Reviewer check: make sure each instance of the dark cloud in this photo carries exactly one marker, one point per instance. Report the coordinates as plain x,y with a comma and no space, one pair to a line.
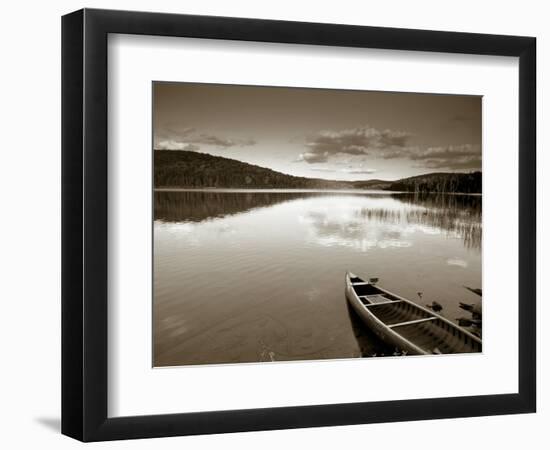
396,153
446,152
469,162
312,157
361,171
388,144
453,157
353,141
209,139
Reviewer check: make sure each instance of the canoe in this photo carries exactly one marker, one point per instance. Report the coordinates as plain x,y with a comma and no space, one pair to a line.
401,323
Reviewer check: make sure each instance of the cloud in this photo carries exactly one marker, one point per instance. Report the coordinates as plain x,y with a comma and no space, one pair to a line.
330,145
312,157
352,141
465,163
175,145
446,152
320,169
453,157
449,157
188,139
361,171
347,171
209,139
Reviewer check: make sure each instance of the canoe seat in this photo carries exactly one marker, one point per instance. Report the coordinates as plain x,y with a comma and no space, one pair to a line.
371,306
376,298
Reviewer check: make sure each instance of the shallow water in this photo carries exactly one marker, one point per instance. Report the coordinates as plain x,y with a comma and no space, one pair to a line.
259,276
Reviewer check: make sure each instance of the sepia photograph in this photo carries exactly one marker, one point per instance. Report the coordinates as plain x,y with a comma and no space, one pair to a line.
299,224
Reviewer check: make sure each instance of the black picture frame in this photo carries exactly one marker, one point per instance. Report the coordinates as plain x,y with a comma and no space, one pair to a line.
84,224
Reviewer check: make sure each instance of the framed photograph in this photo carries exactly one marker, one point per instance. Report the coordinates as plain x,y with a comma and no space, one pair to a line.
273,224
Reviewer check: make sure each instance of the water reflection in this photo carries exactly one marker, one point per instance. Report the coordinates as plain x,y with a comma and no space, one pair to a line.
196,206
259,276
458,215
364,227
368,345
342,219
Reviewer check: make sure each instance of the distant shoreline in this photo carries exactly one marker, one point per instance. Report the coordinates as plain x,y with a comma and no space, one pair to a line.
174,169
290,190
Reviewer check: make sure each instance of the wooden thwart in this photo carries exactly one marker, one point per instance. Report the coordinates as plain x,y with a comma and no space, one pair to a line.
411,322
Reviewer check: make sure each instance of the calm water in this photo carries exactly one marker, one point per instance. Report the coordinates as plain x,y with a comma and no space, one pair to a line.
259,276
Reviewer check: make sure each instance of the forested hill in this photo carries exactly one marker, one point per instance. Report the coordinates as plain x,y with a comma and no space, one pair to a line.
467,183
183,169
200,170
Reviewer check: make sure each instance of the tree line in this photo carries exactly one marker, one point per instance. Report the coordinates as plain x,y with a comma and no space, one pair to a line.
186,169
466,183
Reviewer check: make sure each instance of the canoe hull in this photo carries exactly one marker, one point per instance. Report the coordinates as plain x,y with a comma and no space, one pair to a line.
379,329
424,341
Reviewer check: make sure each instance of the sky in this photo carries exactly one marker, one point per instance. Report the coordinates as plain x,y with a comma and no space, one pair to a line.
321,133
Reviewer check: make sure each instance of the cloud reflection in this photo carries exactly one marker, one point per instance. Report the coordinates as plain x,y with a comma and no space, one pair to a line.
359,221
457,262
334,229
364,223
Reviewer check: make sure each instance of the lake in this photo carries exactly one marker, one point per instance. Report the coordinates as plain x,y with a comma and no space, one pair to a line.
250,276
